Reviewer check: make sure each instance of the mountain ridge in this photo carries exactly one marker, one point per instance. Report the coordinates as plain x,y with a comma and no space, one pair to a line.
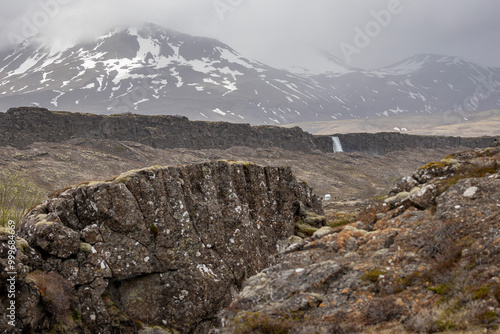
153,70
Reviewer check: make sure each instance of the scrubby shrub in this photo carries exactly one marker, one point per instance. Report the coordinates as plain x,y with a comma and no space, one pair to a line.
422,322
408,280
441,289
496,292
469,171
17,196
446,325
484,315
253,322
380,310
369,214
481,293
443,247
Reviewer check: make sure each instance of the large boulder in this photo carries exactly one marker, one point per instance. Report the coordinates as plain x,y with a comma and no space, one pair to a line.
162,246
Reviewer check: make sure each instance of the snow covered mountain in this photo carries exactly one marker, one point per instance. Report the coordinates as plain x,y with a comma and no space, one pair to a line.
420,84
152,70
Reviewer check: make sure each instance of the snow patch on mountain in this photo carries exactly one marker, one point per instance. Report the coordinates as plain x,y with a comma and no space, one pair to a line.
218,111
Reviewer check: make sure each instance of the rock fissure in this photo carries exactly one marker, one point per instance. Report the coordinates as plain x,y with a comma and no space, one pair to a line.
75,211
137,201
212,249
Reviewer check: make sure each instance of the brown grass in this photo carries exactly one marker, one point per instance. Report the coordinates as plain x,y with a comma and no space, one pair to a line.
17,195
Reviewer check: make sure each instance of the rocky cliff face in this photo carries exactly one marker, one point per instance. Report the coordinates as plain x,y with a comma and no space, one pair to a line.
385,142
424,261
20,127
161,246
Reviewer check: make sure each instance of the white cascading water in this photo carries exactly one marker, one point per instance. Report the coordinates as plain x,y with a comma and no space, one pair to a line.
337,146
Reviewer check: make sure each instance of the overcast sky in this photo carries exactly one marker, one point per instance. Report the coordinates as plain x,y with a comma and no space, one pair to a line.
362,33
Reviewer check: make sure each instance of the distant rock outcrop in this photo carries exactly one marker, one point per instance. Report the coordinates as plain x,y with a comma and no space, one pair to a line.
385,142
162,246
20,127
425,261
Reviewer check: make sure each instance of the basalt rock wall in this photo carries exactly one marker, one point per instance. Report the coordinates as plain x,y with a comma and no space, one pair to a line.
161,246
20,127
385,142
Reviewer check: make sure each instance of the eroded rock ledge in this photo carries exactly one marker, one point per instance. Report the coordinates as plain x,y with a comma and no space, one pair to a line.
163,246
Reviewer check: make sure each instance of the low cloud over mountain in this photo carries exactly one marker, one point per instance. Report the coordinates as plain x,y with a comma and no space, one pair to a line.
154,70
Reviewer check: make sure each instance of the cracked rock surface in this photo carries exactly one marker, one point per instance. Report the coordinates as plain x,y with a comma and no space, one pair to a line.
163,246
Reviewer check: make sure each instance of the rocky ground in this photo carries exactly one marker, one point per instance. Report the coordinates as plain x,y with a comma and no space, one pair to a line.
350,178
424,260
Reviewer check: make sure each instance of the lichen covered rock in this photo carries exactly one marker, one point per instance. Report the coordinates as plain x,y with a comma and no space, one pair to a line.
161,246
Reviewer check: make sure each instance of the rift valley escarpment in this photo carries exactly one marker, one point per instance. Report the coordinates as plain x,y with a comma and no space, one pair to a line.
20,127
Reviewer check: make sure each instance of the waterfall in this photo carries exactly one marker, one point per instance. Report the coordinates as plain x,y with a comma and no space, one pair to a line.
337,146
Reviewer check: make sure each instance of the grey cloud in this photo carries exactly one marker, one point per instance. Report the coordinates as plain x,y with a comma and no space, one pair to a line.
279,32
